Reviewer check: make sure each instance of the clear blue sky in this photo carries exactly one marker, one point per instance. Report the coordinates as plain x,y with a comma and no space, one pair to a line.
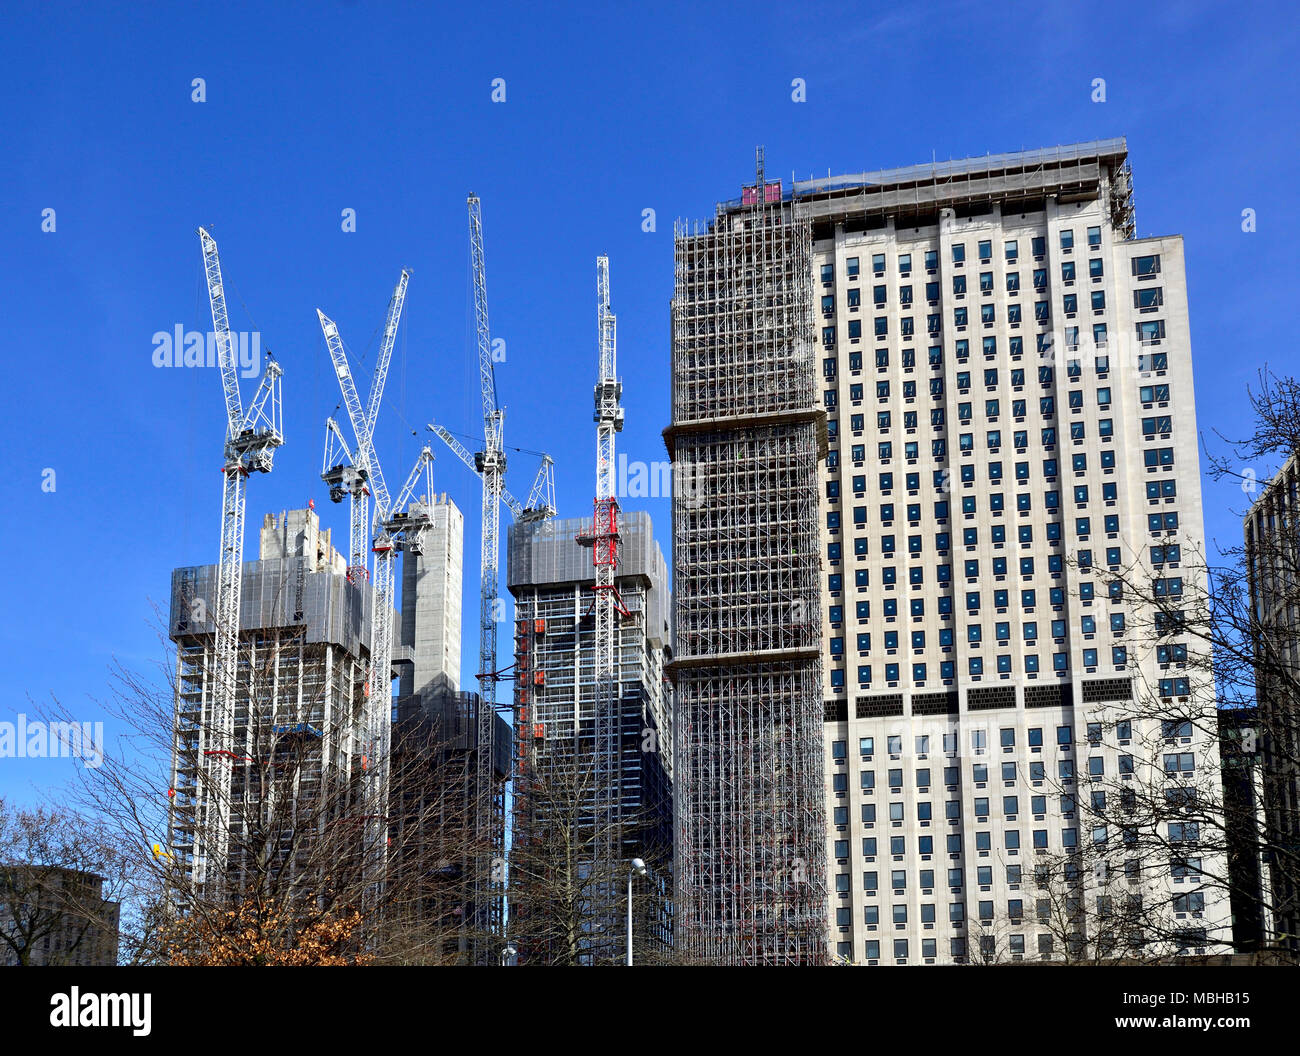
385,108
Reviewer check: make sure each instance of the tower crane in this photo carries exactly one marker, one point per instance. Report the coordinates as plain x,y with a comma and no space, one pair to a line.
349,477
605,543
390,530
251,439
490,465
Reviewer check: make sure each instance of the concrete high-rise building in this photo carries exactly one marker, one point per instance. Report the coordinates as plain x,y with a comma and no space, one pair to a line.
551,577
1273,564
427,654
304,648
435,744
1010,431
1008,381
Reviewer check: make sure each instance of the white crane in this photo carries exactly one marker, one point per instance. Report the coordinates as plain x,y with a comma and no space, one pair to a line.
350,477
251,440
390,530
490,465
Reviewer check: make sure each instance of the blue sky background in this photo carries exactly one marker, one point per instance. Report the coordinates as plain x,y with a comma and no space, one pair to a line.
385,108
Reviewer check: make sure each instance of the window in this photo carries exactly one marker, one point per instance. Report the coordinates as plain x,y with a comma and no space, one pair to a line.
1148,298
1146,267
1150,331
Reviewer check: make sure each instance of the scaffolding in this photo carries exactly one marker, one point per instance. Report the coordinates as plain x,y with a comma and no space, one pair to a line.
745,440
297,721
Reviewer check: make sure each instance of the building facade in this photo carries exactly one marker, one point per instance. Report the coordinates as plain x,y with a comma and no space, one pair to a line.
427,652
1006,372
51,915
1273,562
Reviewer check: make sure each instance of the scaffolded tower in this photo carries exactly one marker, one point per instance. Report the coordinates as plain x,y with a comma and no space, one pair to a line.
745,440
298,718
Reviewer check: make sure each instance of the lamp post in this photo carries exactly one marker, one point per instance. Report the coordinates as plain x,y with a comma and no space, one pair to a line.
508,955
635,868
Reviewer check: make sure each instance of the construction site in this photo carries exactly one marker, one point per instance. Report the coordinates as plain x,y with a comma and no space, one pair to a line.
296,766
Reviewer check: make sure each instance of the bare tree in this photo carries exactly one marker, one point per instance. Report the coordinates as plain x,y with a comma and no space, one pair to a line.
568,896
305,864
61,880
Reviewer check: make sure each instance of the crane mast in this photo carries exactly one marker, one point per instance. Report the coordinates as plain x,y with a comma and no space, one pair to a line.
389,531
490,463
607,604
251,440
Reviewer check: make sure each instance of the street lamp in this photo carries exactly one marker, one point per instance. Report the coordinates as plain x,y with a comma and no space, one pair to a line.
635,868
508,955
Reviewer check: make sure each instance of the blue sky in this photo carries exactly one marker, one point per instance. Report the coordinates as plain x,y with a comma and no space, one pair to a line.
386,109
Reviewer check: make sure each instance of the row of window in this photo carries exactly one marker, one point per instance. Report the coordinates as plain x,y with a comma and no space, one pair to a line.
1177,797
1178,832
940,478
1001,601
989,947
992,405
1184,903
1155,361
1147,331
1173,764
1145,266
1145,298
1181,868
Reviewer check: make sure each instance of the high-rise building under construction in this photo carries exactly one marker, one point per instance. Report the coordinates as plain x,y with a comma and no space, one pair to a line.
577,830
746,437
298,743
300,755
